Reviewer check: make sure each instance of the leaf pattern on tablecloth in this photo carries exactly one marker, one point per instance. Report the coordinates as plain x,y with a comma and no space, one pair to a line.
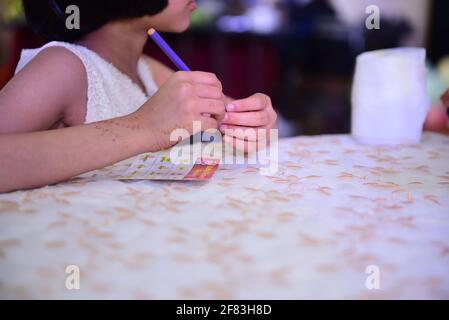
310,231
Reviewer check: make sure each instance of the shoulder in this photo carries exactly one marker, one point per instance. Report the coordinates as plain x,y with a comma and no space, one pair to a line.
44,91
59,60
160,71
55,68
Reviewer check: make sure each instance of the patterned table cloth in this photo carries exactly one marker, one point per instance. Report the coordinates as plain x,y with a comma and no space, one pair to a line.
335,215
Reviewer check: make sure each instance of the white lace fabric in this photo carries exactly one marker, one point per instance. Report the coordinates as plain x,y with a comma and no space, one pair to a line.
111,93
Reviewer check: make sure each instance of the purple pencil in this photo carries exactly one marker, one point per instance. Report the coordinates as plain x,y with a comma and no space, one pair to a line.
167,50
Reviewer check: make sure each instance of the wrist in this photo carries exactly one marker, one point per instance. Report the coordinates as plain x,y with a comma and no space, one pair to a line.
143,135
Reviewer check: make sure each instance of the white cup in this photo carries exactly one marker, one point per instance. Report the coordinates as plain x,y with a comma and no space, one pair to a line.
389,96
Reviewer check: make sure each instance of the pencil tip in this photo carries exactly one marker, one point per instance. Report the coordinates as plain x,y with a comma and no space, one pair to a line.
151,31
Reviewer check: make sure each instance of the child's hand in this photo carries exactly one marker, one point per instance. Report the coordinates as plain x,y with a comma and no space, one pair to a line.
184,98
256,113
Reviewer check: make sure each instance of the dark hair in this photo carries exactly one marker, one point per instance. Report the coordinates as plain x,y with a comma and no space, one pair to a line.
48,17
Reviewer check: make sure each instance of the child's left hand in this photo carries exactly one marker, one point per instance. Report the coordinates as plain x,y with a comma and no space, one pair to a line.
245,118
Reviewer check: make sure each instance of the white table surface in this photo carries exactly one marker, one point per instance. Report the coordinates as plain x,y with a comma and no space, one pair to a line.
333,209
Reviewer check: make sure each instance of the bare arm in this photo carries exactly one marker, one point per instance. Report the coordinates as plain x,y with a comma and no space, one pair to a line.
34,159
44,93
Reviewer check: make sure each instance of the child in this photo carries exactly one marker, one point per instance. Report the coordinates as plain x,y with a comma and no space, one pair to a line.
108,101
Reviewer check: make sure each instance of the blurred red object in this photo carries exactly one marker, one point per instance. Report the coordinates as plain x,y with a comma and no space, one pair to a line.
20,38
437,120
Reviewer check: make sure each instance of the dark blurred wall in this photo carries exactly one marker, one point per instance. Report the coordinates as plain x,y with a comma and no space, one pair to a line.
439,34
306,67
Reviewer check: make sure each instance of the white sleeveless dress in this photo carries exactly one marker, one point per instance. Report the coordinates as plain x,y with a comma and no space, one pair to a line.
110,92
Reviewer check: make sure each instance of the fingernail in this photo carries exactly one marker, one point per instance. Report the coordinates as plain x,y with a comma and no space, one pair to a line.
230,107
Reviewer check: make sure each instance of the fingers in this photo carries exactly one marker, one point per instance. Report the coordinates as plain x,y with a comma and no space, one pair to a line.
199,77
208,123
256,102
214,107
208,89
248,119
209,92
255,111
245,133
242,145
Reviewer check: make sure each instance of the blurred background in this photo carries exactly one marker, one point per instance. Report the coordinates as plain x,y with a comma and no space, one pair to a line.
300,52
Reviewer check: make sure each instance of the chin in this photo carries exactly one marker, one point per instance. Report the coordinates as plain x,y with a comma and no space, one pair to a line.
174,29
183,29
180,26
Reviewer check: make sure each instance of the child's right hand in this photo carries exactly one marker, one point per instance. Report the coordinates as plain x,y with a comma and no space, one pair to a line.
184,98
